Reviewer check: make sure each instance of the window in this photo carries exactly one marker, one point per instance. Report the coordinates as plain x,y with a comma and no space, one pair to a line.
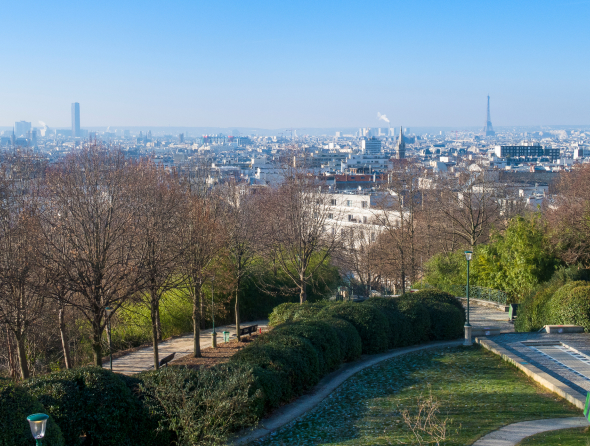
333,202
364,204
364,219
330,216
348,202
373,237
350,217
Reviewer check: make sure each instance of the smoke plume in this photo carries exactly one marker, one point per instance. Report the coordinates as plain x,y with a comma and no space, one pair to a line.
382,117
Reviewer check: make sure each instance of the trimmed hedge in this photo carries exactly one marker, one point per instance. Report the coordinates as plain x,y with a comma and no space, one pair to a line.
370,323
399,325
323,338
290,311
96,403
16,404
446,321
418,316
446,313
570,305
351,346
293,361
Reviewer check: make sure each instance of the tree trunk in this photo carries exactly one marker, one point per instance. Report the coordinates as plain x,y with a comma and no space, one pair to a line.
237,309
196,326
11,363
302,290
96,345
154,315
158,322
22,355
64,337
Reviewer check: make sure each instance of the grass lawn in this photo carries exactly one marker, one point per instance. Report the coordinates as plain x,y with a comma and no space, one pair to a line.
564,437
477,391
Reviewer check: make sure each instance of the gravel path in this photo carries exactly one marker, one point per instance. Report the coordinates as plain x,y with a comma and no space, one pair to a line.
143,359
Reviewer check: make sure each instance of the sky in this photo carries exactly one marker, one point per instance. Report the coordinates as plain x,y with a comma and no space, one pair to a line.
272,64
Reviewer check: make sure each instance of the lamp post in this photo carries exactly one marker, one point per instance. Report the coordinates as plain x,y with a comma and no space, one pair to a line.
468,342
213,335
109,313
38,424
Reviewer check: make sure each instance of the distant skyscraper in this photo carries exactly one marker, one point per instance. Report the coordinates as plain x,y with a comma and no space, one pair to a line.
371,146
75,120
22,128
400,150
488,130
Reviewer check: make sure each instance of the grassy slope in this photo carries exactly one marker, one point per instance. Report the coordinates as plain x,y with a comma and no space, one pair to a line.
565,437
478,393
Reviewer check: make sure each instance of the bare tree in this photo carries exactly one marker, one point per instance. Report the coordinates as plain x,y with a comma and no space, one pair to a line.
200,244
240,218
568,216
297,234
90,205
21,300
160,206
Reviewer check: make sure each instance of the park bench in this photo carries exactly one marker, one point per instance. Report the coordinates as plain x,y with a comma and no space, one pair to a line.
248,330
167,359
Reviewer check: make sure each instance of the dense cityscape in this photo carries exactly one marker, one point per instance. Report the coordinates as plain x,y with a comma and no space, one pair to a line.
295,223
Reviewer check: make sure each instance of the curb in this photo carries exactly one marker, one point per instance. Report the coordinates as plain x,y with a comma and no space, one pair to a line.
546,380
325,387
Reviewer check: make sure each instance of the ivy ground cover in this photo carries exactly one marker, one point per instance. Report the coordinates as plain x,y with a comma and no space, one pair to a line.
563,437
477,392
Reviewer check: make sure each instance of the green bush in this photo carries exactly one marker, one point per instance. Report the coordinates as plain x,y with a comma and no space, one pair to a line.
418,316
205,406
370,323
323,338
435,295
350,341
16,404
390,310
282,313
576,308
446,313
535,310
96,403
290,311
293,360
447,322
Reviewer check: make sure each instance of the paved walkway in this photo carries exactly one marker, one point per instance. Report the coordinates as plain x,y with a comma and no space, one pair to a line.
559,362
480,315
143,359
514,433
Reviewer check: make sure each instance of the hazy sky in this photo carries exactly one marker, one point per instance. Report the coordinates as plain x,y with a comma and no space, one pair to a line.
281,63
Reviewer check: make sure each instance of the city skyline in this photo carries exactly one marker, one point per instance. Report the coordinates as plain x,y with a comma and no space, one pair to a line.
318,64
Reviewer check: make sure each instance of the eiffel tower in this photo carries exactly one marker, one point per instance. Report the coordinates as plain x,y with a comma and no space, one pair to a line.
488,130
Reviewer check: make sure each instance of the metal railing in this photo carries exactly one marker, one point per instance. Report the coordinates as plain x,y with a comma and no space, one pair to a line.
481,293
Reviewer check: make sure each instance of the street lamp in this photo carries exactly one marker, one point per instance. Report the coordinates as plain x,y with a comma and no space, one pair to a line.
109,313
213,335
38,423
468,342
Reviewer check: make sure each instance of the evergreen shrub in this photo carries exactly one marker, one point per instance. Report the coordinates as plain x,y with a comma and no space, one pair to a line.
350,341
16,404
322,336
293,359
418,316
369,321
203,406
97,404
